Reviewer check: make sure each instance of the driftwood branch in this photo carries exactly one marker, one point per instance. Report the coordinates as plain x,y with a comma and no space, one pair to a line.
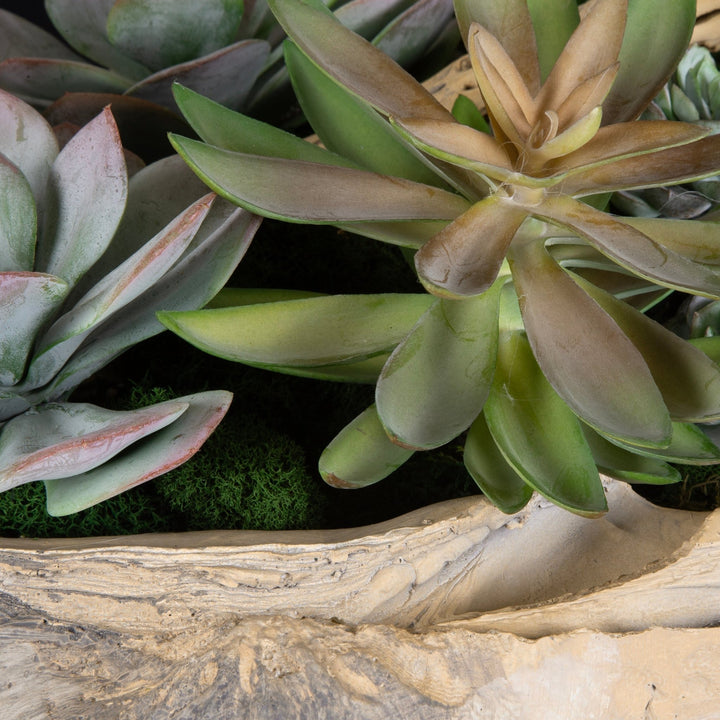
440,614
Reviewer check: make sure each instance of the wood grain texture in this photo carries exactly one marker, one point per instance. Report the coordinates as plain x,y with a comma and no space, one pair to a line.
454,611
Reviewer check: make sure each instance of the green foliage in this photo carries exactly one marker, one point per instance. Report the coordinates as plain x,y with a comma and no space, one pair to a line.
506,220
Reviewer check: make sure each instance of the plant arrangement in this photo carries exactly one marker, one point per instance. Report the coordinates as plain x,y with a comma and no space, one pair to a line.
226,49
86,258
531,342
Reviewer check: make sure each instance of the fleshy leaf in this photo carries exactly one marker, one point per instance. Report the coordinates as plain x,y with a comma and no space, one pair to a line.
305,332
584,354
86,200
165,449
354,62
21,38
313,192
631,467
128,281
511,23
437,379
189,284
350,127
689,446
27,301
18,219
42,80
688,380
369,17
27,141
58,440
161,33
361,454
656,37
629,247
464,258
83,24
553,22
538,434
491,471
224,128
209,75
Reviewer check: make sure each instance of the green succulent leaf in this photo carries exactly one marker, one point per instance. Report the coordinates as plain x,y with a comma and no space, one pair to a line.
59,440
27,140
585,354
656,36
169,445
86,200
350,127
466,112
18,219
21,38
553,22
538,434
354,63
411,33
631,467
161,33
302,332
491,471
209,75
629,247
689,446
314,192
410,234
27,301
688,380
369,17
43,80
361,454
83,24
437,379
219,126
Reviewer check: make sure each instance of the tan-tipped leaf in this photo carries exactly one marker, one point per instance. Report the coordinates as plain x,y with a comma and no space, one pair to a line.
601,30
435,382
354,62
464,258
314,192
538,434
688,380
630,248
508,100
303,332
510,22
361,454
672,166
491,471
584,354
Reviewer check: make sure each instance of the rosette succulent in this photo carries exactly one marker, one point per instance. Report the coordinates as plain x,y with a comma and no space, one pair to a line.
225,49
86,258
530,343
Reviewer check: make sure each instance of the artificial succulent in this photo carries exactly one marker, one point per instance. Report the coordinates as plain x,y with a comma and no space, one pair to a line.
86,258
531,343
225,49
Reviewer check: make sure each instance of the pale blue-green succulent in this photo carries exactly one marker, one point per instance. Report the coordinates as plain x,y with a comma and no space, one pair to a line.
86,259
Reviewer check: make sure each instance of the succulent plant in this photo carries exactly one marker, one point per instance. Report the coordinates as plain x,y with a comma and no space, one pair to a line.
221,48
86,258
531,339
691,95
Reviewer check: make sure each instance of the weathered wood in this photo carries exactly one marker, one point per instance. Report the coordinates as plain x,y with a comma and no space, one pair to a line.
455,611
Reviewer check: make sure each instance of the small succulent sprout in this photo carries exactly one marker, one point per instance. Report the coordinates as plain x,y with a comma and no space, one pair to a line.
86,259
225,49
535,342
